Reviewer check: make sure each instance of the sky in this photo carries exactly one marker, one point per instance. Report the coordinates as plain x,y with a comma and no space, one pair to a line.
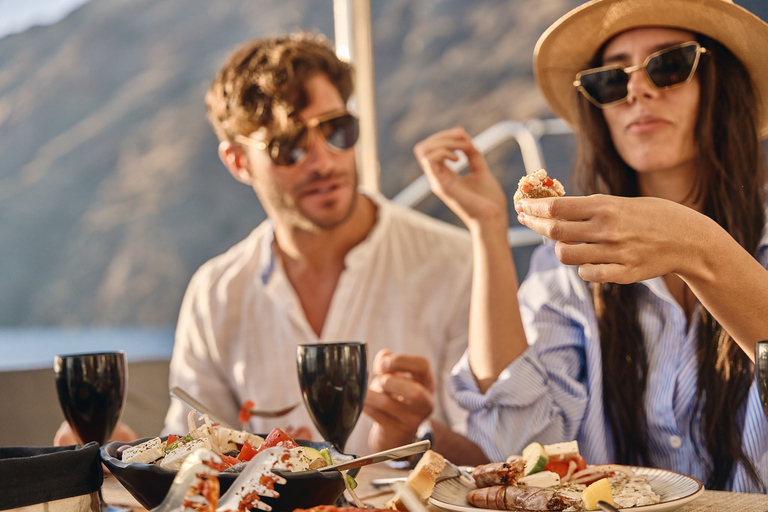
18,15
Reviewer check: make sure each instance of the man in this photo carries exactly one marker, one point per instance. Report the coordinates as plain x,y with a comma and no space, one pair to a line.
330,263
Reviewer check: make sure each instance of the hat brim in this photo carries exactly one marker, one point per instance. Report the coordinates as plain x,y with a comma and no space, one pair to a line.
569,45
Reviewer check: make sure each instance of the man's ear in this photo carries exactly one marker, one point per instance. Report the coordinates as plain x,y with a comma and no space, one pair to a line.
235,160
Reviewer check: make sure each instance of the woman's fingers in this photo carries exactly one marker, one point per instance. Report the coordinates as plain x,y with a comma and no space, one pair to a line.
564,208
606,273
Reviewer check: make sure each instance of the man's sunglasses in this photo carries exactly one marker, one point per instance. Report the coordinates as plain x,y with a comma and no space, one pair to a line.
339,129
607,85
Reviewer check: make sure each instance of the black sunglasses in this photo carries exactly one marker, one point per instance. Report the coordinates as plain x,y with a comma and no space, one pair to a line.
606,86
339,129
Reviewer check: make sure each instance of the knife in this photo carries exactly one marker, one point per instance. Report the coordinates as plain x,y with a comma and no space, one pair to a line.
394,453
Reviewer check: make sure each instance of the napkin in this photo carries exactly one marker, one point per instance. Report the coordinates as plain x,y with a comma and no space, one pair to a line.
32,475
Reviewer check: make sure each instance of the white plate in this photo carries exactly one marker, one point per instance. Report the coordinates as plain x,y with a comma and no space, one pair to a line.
675,490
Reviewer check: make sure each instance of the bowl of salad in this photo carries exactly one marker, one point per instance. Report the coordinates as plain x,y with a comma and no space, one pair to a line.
147,467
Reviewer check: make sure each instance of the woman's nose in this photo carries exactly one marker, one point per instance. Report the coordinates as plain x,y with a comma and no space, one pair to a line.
640,85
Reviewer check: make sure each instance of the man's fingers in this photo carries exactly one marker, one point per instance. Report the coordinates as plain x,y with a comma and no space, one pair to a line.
405,390
388,410
416,367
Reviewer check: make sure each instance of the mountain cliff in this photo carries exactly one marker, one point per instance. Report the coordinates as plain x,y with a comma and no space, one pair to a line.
111,192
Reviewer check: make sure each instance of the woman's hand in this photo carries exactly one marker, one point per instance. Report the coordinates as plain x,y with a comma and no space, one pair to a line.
476,197
626,240
617,239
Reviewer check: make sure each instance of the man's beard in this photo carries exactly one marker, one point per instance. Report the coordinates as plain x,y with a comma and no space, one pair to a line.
301,220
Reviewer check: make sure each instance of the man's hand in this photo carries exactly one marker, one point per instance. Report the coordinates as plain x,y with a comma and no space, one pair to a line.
65,436
300,432
398,399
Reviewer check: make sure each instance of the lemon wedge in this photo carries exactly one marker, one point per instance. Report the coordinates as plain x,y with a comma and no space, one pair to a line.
597,491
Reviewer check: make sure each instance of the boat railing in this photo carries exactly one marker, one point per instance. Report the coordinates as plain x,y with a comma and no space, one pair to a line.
528,136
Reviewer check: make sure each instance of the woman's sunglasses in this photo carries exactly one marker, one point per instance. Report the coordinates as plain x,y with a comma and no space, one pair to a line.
607,85
339,129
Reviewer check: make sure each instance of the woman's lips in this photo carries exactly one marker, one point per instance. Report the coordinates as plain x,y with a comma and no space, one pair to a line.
646,124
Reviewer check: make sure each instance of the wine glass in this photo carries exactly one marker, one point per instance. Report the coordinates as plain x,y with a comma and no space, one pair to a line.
91,390
333,379
761,372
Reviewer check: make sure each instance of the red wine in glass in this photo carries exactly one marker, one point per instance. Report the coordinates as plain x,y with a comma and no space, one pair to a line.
333,379
91,390
761,372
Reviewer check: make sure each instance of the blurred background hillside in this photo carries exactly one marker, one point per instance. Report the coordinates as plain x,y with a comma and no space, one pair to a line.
111,192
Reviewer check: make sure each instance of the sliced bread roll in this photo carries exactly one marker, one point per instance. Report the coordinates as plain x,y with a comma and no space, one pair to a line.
421,479
538,184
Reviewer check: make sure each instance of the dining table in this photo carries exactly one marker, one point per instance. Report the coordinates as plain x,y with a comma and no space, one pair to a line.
376,496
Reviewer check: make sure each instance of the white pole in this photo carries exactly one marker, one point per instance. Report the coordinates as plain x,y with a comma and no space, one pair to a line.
354,41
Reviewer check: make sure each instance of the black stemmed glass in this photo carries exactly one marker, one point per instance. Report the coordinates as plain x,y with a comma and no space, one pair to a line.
761,372
333,379
91,391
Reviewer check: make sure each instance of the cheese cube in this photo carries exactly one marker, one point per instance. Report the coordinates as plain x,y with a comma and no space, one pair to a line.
175,458
144,453
562,451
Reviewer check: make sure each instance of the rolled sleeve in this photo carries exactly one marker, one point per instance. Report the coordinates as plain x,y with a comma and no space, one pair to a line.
543,395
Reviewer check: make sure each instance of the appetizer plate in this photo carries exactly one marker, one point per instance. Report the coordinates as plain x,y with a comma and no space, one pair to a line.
149,483
674,488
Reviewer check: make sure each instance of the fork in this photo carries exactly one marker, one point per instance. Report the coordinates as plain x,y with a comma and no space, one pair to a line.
452,470
186,478
607,507
193,403
274,413
257,477
249,482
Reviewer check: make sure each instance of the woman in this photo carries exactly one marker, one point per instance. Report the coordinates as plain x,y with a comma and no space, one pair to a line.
634,331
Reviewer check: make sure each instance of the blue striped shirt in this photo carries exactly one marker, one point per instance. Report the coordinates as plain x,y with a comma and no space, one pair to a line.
553,391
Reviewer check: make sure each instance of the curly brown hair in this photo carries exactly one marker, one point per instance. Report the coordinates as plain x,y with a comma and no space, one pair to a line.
262,83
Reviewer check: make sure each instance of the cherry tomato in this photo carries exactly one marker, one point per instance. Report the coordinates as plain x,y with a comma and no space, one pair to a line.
246,452
526,189
226,462
547,182
276,437
229,460
210,489
560,467
171,439
245,411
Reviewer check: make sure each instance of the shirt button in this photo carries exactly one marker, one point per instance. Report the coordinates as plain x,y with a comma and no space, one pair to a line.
675,442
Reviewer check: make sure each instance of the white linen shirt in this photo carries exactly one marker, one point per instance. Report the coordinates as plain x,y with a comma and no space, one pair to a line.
553,391
405,287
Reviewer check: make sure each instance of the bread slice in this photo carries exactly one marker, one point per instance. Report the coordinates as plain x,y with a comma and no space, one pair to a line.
421,479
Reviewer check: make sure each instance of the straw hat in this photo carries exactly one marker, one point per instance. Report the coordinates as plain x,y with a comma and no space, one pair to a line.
569,45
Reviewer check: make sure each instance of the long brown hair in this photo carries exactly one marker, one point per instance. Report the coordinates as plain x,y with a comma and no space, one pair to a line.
731,187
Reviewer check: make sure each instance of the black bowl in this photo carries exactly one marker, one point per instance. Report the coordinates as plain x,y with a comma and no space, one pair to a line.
149,483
